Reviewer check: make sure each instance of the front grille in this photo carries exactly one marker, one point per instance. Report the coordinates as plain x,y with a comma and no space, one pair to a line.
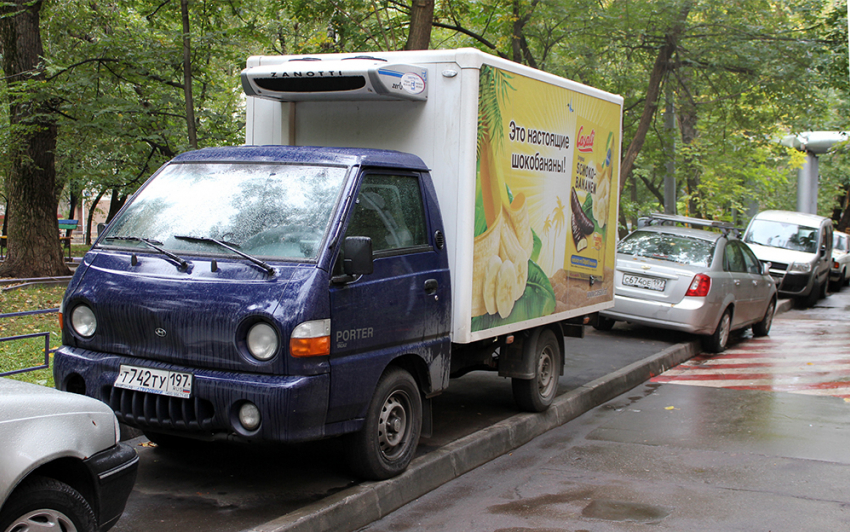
794,283
778,266
160,411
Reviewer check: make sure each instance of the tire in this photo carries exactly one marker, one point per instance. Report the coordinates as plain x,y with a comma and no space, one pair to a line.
535,395
386,444
716,343
604,324
41,503
812,299
762,328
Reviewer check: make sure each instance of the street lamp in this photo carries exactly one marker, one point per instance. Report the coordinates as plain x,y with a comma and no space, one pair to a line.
813,143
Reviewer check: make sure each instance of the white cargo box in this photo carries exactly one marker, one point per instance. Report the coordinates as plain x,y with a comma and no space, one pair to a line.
533,191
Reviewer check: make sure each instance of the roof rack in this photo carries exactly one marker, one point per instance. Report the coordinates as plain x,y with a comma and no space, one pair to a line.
658,218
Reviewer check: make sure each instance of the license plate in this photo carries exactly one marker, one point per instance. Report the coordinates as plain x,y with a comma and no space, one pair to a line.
158,381
649,283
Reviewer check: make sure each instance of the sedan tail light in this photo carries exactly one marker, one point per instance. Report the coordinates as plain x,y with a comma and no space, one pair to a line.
699,286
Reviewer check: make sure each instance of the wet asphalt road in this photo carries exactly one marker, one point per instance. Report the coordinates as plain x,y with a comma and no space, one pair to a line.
228,487
755,439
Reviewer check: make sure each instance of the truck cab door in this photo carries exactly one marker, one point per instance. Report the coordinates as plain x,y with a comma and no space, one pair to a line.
401,308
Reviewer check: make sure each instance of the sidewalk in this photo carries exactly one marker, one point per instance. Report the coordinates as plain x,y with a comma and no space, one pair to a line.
358,506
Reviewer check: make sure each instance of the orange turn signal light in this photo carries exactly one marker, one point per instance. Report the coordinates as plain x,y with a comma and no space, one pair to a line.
310,347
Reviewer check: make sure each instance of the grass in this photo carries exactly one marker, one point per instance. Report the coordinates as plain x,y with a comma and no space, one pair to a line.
29,352
19,354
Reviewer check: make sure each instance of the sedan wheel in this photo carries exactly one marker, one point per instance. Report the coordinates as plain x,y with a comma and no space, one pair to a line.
716,343
763,327
46,504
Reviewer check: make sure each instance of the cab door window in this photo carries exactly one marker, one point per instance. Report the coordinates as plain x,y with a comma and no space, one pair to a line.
389,210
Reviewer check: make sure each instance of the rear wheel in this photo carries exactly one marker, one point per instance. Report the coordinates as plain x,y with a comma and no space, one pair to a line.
42,503
763,327
604,324
385,445
716,343
536,394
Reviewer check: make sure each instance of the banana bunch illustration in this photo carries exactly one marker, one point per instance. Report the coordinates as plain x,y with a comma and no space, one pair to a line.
600,197
500,258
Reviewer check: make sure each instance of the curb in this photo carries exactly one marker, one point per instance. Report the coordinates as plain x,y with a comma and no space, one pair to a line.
368,502
365,503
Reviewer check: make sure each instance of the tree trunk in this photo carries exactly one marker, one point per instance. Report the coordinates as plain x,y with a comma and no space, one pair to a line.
115,203
90,218
659,70
187,76
33,243
688,127
421,18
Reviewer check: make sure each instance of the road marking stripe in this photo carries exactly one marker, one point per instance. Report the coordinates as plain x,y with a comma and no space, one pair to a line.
806,357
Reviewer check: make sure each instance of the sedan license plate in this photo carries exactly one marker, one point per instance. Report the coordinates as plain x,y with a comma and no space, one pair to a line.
157,381
649,283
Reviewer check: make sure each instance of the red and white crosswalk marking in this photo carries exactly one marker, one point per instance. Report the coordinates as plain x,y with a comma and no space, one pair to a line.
800,356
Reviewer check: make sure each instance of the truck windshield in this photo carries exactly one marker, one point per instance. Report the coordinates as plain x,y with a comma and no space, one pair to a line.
266,210
783,235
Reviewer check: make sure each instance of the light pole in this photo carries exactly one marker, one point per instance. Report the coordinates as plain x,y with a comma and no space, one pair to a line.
813,143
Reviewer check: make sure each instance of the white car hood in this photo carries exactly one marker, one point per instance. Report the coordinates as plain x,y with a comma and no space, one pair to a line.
22,400
39,424
787,256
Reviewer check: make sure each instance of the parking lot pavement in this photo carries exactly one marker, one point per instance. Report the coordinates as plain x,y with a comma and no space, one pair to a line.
750,439
228,487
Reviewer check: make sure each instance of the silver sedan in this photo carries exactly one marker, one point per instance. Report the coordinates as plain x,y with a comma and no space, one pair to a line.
698,281
62,466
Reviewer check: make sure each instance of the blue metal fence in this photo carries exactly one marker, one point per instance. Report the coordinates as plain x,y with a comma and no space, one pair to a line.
46,336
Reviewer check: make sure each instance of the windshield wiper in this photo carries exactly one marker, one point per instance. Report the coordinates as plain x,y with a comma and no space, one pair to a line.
255,260
153,244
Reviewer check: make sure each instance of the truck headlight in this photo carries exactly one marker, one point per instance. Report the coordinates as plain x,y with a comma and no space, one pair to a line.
83,321
262,341
800,267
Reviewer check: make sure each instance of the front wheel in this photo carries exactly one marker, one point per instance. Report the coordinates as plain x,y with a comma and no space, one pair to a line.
385,445
716,343
536,394
42,503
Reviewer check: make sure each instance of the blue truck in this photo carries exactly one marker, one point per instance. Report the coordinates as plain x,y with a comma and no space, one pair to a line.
393,221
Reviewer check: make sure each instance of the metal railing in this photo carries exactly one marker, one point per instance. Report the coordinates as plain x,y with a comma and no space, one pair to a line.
46,336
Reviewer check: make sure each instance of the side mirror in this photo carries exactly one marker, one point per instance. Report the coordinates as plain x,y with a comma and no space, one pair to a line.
101,227
357,252
765,268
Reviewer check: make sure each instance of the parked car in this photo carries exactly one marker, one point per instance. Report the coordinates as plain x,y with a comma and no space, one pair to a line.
798,247
700,281
838,275
62,466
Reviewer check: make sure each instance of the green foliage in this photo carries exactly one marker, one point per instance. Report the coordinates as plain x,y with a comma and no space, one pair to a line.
745,72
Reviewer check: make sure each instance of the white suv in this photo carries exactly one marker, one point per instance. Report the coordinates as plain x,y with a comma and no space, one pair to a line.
798,247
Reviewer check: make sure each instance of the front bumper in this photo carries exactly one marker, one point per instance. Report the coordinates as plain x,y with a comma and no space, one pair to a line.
115,470
292,408
795,284
692,315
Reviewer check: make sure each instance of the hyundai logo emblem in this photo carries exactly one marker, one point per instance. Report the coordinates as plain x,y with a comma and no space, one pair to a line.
160,332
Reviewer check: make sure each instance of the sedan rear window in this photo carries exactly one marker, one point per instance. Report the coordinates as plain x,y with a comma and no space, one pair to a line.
672,248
